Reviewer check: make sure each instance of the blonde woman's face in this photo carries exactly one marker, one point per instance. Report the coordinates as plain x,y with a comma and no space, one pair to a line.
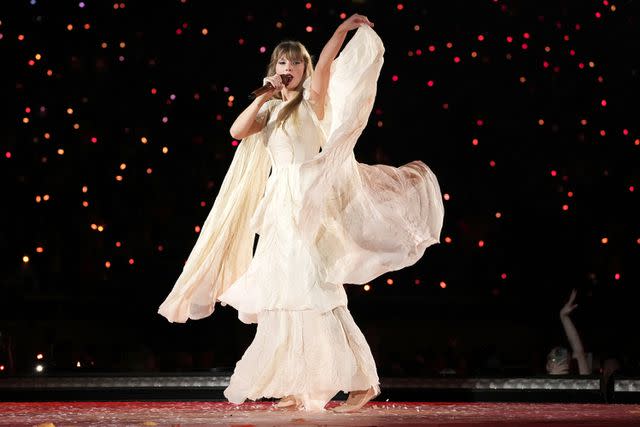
294,67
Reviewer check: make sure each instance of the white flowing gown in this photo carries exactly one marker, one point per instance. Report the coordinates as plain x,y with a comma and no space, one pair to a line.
324,220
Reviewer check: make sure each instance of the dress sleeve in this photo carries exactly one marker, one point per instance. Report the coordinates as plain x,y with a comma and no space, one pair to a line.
224,247
325,124
264,112
364,220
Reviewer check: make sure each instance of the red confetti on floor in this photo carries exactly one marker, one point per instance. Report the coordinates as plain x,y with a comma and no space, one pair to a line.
52,414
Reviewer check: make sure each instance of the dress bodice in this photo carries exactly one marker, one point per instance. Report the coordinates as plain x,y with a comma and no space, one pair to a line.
297,141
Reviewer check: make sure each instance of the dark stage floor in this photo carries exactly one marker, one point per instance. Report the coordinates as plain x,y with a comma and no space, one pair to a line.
264,413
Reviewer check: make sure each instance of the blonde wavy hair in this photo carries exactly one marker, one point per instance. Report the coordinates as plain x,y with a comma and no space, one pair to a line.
294,51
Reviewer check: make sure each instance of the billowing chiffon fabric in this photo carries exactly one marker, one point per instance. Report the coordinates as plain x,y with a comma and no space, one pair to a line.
324,220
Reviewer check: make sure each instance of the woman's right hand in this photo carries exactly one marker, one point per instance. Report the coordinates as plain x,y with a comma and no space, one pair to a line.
276,82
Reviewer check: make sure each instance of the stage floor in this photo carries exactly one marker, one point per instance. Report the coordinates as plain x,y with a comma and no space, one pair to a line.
264,413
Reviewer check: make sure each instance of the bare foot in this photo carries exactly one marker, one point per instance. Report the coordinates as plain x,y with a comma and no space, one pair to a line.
356,400
287,402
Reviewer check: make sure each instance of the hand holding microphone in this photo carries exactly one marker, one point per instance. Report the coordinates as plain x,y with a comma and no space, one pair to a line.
277,82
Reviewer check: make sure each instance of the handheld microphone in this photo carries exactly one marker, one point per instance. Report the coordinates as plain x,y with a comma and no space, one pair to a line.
286,79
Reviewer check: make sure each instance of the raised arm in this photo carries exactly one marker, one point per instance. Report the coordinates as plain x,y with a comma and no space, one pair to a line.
320,80
573,336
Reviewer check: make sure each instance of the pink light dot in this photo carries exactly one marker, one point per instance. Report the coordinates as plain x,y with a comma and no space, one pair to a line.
570,194
203,204
632,188
309,28
572,52
432,48
394,78
525,46
27,110
154,91
625,132
197,228
481,244
430,83
480,38
131,261
617,276
598,15
7,154
418,52
165,119
443,285
94,140
503,276
603,102
545,64
581,66
308,5
263,49
240,42
565,207
509,39
480,122
554,173
179,31
234,143
475,141
526,35
400,6
343,15
492,163
456,59
603,133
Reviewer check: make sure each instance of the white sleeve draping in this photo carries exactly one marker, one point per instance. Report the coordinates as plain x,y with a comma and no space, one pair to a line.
364,220
224,247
